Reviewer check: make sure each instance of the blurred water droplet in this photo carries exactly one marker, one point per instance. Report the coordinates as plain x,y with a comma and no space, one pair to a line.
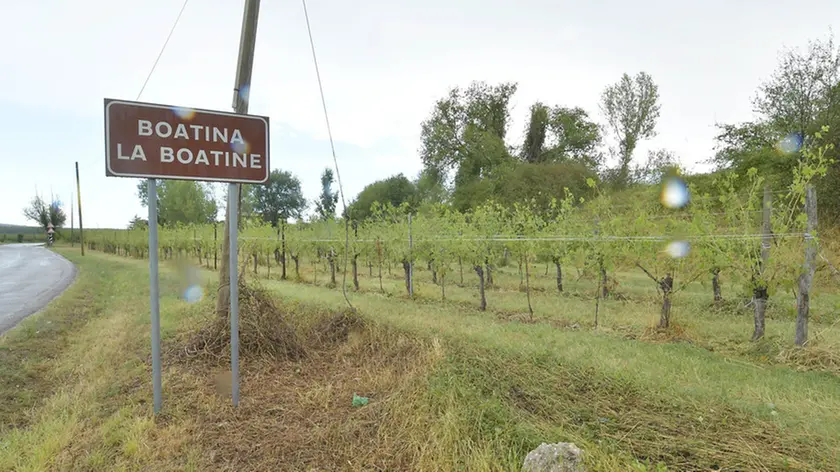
193,294
678,249
790,144
184,113
674,193
240,147
244,92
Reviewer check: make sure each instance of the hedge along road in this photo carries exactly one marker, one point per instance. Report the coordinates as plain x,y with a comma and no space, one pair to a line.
30,277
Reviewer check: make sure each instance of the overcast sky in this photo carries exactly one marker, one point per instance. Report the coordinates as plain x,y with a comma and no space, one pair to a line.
383,64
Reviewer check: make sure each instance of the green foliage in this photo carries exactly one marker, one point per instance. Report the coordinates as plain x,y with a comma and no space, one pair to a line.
182,201
280,199
327,200
395,190
535,133
800,97
540,183
45,213
559,135
137,223
632,109
660,163
573,137
801,88
466,131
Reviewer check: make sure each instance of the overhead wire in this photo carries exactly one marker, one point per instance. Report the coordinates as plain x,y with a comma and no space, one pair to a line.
335,160
160,54
162,49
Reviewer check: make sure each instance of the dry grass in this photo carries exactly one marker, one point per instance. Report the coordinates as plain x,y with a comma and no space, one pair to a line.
297,414
264,331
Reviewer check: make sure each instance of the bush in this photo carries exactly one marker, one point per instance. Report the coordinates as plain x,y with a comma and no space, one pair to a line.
20,238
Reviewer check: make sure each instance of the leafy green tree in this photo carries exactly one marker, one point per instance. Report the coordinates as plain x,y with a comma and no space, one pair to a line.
631,108
573,137
541,183
138,223
327,200
660,163
182,201
430,186
45,213
396,189
561,134
466,131
801,88
280,199
533,148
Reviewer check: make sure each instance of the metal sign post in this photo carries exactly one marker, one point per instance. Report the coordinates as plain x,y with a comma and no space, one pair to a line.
154,293
233,202
154,141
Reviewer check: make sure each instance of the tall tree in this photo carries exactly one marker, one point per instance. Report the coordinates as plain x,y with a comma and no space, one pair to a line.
801,88
281,199
395,190
45,213
631,108
466,131
327,200
561,134
430,187
138,223
181,201
573,137
534,146
660,163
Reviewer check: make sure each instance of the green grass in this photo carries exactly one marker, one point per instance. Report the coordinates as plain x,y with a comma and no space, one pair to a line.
452,388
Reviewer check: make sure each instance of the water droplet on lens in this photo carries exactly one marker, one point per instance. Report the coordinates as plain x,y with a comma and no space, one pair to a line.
678,249
244,92
240,147
674,193
790,144
184,113
193,294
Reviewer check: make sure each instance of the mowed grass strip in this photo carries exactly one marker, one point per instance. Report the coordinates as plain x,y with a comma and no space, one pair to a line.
94,413
797,407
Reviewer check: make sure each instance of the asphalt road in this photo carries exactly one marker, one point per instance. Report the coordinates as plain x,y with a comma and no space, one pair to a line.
30,276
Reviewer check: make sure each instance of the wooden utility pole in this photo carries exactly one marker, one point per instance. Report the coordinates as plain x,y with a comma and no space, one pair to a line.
760,295
79,197
807,276
241,94
72,210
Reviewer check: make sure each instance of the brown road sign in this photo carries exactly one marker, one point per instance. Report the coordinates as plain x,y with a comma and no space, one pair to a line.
166,142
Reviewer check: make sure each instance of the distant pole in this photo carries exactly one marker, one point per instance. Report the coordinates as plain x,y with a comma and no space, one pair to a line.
79,197
233,204
410,260
72,210
807,276
760,294
154,296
